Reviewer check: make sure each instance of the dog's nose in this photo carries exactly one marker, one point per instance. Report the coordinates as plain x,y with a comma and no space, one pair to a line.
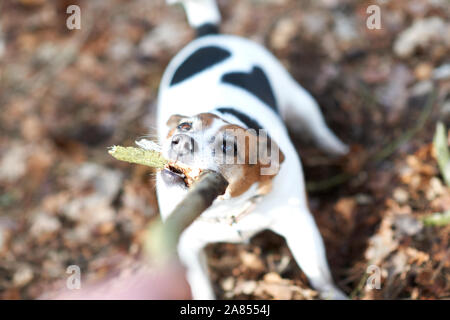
182,144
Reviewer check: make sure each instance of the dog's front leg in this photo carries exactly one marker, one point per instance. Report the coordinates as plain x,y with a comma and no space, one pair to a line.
297,226
192,256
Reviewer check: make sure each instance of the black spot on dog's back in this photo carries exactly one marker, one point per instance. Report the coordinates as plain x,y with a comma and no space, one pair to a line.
255,82
198,61
245,119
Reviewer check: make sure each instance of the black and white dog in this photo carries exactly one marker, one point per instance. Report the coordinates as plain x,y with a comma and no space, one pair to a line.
218,88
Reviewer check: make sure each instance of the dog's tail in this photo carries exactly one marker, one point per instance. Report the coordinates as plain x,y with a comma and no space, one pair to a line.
203,15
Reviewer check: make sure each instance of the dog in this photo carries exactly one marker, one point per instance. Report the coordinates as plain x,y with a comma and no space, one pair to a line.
216,89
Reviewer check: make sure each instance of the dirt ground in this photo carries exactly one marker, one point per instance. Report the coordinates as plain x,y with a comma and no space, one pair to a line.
66,95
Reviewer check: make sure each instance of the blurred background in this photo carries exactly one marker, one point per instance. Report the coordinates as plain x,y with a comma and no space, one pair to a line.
66,95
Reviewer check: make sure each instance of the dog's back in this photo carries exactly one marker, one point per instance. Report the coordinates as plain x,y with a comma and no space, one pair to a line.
216,71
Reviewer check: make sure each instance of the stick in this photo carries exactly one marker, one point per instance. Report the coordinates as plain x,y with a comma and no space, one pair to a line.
442,152
204,187
437,219
162,238
149,158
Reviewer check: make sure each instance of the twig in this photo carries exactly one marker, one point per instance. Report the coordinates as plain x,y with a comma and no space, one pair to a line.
149,158
328,183
204,187
162,238
423,117
359,287
442,153
437,219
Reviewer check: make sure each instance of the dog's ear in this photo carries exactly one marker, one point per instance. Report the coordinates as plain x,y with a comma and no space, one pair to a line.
174,120
270,158
270,155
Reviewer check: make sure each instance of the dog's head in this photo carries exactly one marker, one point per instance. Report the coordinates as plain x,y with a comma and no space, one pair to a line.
243,156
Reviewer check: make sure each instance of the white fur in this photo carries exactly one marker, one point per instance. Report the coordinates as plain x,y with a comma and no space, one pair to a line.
200,11
284,210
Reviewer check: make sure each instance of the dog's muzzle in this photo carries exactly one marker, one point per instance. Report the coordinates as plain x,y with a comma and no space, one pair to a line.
182,148
182,145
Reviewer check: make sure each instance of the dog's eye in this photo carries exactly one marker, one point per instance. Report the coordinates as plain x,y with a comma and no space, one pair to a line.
185,126
229,146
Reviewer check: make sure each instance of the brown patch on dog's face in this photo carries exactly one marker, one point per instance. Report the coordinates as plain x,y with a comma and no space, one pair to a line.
171,132
207,119
248,161
174,120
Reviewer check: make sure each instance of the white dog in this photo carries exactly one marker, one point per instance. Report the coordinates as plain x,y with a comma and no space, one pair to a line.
213,91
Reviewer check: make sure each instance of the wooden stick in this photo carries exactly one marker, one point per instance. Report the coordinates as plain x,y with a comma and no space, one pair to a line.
162,238
204,187
442,151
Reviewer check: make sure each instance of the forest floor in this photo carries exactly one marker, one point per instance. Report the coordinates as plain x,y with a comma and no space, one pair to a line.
66,96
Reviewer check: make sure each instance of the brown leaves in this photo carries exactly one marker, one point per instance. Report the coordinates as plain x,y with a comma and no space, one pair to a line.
252,261
283,289
412,258
271,286
345,209
67,95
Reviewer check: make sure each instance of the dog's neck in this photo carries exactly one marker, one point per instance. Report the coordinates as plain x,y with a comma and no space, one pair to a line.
230,210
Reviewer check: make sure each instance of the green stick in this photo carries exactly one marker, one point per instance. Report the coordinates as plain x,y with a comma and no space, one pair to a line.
437,219
162,238
149,158
442,152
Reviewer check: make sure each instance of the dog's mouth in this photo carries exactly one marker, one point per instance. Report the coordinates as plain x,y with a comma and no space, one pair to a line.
176,170
173,178
176,173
